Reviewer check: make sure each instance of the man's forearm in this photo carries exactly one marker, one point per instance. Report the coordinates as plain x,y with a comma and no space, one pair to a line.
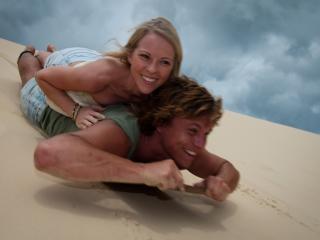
229,174
209,164
70,157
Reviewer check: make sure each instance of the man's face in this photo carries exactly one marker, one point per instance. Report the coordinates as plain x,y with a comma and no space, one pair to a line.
183,138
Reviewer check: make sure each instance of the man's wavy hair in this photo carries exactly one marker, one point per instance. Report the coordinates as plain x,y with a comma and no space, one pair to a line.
179,97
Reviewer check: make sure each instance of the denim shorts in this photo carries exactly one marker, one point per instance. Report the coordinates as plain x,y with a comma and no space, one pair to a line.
32,102
32,99
70,55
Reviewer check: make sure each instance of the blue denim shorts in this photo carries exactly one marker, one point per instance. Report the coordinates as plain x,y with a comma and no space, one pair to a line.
32,102
32,99
70,55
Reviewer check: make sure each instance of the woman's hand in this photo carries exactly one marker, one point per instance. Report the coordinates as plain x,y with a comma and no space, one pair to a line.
164,175
89,116
215,188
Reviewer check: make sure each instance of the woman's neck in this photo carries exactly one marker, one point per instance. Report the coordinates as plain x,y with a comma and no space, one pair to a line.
126,89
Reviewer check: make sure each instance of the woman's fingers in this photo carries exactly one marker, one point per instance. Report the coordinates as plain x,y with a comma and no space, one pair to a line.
97,108
92,119
87,123
98,115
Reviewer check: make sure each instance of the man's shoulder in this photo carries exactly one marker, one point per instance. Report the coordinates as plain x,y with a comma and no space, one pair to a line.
122,115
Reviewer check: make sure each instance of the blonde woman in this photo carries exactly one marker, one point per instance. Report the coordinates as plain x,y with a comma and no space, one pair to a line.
79,82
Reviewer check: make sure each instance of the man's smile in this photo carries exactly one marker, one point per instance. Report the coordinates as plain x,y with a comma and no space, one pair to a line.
190,152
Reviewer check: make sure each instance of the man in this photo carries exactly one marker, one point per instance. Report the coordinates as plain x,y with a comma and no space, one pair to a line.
174,125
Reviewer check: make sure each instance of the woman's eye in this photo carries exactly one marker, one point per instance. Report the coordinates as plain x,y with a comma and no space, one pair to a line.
165,62
144,56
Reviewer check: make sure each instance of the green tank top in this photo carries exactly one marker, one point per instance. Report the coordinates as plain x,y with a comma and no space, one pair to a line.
53,123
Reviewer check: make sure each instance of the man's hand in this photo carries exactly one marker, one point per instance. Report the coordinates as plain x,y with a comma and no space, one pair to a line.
164,175
215,188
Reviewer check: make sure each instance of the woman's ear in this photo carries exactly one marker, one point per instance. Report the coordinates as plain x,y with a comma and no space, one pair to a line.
130,58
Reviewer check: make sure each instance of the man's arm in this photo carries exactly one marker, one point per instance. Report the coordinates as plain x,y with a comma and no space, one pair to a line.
94,154
221,177
98,154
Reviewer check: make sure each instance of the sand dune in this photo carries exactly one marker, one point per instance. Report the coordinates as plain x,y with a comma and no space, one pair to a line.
278,196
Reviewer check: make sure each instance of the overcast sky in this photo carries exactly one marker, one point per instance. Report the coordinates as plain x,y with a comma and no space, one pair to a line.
261,56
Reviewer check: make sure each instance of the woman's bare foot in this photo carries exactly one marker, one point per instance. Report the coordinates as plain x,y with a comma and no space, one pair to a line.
43,55
28,64
28,50
51,48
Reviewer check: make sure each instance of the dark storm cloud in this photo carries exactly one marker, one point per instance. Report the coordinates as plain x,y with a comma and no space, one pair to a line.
64,23
15,16
261,56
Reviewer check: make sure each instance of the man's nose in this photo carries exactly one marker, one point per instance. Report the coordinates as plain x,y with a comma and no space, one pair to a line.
200,141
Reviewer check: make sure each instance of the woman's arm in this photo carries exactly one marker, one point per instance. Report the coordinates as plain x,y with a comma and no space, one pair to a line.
54,81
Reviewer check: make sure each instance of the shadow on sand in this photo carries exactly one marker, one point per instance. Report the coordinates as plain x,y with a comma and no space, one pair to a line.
160,211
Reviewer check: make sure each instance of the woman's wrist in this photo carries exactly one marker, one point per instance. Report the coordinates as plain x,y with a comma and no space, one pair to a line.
75,111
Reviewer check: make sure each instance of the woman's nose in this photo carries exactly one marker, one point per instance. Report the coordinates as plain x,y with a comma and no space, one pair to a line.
152,67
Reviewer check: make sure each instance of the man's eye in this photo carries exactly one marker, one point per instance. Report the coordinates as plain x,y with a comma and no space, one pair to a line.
193,131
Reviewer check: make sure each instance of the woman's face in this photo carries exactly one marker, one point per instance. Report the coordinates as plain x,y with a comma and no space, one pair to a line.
151,62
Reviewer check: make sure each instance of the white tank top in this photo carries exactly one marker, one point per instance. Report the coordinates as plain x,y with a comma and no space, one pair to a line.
83,98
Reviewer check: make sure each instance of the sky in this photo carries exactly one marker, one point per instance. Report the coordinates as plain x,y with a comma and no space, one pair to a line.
261,56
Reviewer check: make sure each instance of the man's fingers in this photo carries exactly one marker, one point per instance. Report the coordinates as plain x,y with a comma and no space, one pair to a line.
201,184
218,190
176,181
180,182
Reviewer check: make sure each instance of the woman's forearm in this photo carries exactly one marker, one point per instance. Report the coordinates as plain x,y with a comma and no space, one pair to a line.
56,95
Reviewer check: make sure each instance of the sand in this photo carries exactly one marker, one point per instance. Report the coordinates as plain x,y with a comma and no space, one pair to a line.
278,196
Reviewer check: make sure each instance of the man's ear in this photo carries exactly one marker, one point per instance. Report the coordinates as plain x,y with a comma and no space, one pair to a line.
159,129
162,125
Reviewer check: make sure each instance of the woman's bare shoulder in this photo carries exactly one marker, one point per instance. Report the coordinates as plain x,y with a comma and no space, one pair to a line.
113,66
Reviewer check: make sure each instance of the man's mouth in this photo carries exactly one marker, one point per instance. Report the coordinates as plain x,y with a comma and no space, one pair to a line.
190,152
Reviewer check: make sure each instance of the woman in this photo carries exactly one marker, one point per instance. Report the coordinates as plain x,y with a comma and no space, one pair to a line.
82,81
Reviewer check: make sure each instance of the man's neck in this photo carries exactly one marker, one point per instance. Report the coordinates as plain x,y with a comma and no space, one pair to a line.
150,149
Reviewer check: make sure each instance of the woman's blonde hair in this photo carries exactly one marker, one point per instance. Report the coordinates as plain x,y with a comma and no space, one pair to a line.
160,26
179,97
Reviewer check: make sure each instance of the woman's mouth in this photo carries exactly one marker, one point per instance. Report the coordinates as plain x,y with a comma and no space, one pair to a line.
149,79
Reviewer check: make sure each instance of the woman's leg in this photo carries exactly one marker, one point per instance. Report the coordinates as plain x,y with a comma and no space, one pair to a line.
32,99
